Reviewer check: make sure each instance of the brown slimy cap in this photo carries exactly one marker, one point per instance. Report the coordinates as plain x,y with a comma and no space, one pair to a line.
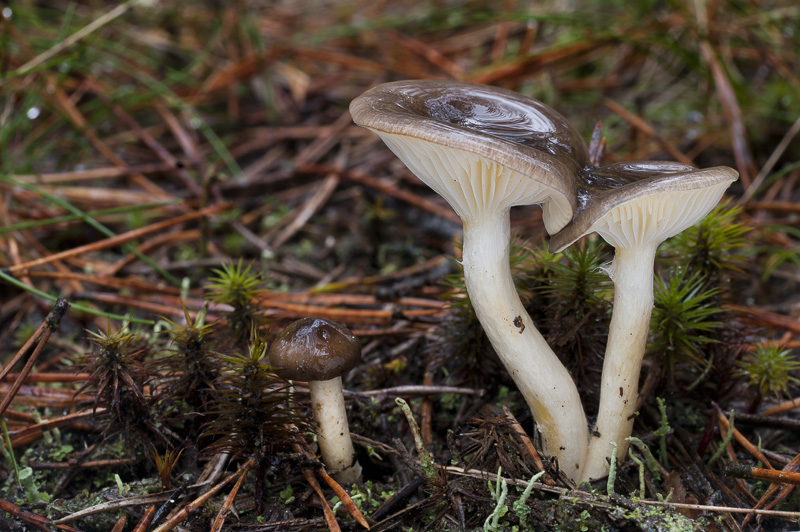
314,349
629,203
441,129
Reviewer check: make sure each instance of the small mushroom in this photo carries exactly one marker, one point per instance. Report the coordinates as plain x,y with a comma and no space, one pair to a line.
484,150
634,207
320,352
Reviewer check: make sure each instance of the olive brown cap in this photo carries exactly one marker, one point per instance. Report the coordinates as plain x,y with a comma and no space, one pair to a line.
478,146
314,349
650,200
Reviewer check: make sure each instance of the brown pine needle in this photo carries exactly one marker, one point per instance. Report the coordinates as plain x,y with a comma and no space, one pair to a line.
345,498
42,334
219,522
201,500
147,517
119,239
739,437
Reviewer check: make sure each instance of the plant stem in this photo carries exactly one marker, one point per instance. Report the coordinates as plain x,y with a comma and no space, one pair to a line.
545,383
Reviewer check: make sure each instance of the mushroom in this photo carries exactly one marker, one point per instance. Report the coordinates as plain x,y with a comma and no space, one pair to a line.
634,207
486,149
320,352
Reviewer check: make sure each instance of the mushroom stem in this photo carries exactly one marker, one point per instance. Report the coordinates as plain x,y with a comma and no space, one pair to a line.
327,403
543,381
632,273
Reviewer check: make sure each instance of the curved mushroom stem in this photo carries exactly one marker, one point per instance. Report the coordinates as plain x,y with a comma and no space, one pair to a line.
632,273
327,403
545,383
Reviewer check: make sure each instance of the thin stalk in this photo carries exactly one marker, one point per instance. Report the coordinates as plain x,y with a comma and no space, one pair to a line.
335,445
540,376
632,273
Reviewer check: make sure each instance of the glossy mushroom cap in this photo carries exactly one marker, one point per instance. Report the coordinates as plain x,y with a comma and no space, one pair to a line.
314,349
479,147
630,203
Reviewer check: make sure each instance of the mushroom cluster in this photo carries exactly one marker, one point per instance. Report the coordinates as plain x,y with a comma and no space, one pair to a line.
486,149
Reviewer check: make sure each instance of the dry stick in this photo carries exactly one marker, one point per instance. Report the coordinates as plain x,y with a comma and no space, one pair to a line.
414,390
147,139
783,491
13,245
344,314
770,164
317,200
119,239
93,174
752,449
426,410
219,522
724,427
66,104
193,506
432,55
526,442
187,143
116,504
321,145
147,518
501,38
330,519
767,475
41,250
733,113
524,65
779,206
42,523
578,496
114,299
111,282
323,298
766,318
79,122
388,189
116,197
82,465
328,55
97,23
310,154
120,524
782,407
341,493
34,432
647,129
345,498
42,334
171,239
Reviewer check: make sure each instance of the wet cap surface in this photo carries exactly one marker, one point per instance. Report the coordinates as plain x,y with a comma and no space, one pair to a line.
478,145
603,189
314,349
504,126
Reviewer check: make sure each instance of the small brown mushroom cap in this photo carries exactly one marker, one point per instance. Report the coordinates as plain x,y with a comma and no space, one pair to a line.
314,349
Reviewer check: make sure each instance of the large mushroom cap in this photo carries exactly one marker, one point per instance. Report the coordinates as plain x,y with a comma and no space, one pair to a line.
478,146
314,349
635,202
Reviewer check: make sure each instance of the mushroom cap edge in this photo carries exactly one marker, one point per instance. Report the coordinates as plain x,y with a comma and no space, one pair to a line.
598,199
